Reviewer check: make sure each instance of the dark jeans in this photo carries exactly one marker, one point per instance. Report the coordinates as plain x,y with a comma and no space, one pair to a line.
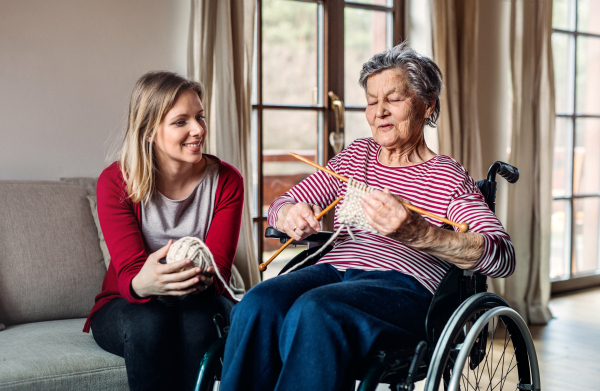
162,344
307,329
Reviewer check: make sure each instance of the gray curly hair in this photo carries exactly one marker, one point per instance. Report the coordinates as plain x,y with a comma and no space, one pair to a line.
423,76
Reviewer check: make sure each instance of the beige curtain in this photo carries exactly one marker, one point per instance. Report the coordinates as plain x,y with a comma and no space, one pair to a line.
530,199
455,25
220,56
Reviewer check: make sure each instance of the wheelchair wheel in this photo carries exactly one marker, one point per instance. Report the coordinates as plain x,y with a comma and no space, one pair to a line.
209,375
485,346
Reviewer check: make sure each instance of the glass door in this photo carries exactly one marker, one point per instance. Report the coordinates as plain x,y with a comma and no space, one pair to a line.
309,53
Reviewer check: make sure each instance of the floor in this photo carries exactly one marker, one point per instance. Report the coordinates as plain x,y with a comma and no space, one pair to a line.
568,347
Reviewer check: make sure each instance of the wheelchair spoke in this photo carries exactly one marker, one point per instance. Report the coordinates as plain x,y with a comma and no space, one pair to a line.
491,356
492,349
468,372
484,361
503,379
468,382
501,361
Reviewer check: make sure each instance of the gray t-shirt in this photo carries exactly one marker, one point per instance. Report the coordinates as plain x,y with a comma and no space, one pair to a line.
164,219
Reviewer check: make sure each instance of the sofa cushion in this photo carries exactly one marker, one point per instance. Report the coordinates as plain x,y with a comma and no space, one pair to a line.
51,264
56,355
103,246
88,183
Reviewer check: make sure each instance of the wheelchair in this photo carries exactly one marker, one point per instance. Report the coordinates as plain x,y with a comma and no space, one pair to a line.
475,341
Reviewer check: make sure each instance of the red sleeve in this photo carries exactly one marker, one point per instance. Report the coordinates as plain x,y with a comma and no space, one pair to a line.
119,220
223,234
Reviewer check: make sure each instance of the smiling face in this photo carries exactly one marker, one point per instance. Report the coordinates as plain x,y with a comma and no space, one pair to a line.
180,136
393,112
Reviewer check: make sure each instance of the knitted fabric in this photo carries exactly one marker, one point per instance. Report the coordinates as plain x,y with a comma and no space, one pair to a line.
350,213
196,251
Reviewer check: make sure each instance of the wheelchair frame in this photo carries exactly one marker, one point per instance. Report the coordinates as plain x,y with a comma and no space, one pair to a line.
457,326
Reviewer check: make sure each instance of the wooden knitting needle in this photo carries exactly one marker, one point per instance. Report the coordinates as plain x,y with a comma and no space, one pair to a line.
263,266
463,227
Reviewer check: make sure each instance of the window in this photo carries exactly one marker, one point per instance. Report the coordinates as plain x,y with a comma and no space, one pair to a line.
304,50
576,172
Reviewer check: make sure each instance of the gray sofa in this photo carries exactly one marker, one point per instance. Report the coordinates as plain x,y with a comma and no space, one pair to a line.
51,268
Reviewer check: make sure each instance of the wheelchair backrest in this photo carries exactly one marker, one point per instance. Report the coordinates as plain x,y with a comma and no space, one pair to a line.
458,285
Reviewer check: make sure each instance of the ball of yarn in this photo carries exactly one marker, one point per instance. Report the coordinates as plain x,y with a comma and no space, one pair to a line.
193,249
196,251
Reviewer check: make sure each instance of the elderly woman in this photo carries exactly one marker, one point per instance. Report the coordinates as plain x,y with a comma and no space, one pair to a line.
305,330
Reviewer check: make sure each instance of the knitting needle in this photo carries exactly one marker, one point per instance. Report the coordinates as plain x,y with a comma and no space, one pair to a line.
463,227
263,266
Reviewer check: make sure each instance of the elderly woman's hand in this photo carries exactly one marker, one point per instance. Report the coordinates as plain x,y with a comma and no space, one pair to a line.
298,221
391,218
386,213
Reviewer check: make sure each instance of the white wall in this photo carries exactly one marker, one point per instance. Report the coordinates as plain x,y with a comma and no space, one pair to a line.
67,68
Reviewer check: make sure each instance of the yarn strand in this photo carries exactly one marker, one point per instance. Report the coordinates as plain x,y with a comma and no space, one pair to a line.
196,251
349,214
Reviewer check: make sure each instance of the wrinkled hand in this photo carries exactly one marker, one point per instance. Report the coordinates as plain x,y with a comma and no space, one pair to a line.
173,279
298,221
390,217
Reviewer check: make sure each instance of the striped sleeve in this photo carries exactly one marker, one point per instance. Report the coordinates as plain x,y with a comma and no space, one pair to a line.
318,189
498,258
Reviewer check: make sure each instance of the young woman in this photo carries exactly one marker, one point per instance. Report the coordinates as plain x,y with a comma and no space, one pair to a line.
159,316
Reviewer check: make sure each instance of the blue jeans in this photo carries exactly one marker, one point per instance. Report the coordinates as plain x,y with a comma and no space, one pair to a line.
162,344
307,329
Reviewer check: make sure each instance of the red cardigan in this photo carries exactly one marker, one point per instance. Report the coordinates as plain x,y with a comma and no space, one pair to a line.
120,220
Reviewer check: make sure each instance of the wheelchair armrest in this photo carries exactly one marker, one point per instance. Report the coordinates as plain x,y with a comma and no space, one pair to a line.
320,237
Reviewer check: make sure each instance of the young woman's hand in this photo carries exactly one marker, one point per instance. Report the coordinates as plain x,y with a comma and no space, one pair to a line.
173,279
206,280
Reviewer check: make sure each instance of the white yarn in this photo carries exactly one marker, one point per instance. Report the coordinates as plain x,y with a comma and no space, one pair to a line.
196,251
349,213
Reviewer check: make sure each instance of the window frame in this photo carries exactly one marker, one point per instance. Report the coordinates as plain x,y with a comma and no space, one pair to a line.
331,41
581,280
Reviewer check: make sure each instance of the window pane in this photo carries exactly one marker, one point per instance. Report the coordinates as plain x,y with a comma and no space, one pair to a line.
355,126
588,16
560,14
387,3
586,235
559,242
561,171
270,247
563,72
286,131
289,52
365,33
588,77
586,164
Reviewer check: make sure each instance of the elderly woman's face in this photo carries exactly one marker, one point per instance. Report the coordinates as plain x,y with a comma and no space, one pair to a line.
392,112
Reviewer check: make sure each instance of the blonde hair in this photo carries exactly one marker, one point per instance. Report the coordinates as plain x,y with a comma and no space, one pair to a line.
153,96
